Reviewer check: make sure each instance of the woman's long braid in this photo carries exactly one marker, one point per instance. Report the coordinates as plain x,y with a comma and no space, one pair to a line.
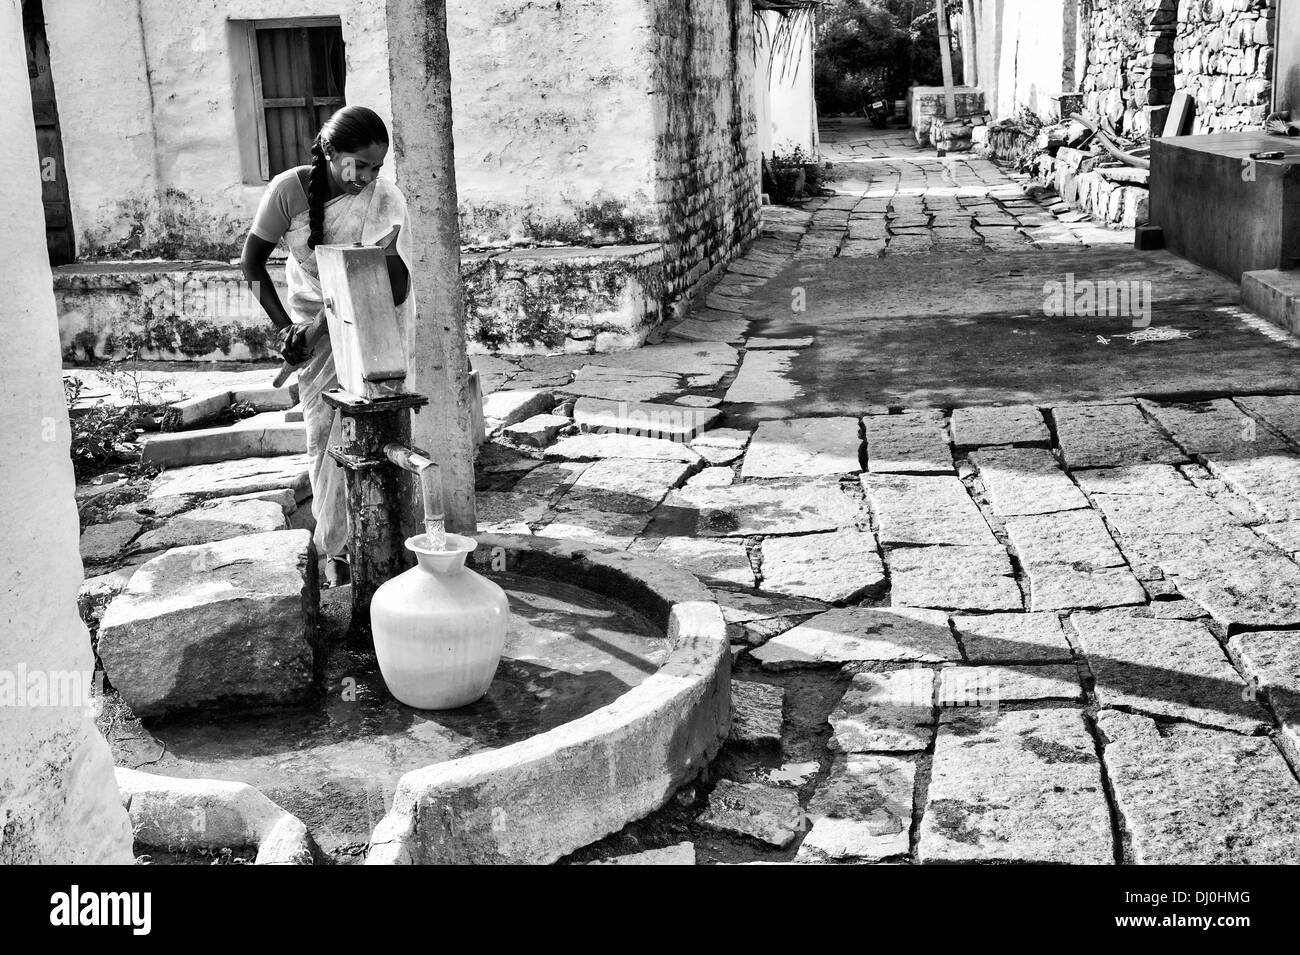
318,191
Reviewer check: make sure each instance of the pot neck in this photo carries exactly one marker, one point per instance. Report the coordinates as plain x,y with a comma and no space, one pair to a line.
445,564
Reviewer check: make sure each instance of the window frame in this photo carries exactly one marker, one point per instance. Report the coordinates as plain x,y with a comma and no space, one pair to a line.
259,102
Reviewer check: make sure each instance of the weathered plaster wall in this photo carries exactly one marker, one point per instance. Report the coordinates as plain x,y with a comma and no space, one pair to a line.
551,104
1037,56
1223,58
147,108
59,803
983,45
706,138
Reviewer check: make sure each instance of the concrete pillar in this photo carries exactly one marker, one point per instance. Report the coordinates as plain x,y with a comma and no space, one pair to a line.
438,368
59,803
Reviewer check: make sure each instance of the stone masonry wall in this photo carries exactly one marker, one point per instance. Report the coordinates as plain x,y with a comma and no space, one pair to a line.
1129,78
1139,52
706,136
1223,58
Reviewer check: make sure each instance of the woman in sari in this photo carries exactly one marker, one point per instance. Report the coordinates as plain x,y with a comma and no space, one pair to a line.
338,199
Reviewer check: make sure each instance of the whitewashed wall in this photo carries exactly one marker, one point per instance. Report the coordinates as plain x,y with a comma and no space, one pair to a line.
787,110
59,803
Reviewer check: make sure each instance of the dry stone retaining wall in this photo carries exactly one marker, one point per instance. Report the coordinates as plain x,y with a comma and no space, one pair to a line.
1223,57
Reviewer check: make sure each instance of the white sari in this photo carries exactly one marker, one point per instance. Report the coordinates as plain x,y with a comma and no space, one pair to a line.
367,217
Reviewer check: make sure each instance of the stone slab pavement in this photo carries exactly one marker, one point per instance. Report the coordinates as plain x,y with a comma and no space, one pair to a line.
1025,636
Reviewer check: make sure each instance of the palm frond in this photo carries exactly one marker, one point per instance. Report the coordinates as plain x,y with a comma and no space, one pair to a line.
791,29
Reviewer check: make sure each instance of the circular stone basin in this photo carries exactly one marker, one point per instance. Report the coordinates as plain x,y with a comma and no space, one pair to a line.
335,762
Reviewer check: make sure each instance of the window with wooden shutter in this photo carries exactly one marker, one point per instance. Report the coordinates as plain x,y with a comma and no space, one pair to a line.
298,73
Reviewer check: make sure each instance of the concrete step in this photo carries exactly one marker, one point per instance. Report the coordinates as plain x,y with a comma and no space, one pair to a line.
1273,295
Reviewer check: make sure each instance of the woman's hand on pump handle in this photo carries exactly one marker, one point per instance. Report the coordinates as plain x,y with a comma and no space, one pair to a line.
294,345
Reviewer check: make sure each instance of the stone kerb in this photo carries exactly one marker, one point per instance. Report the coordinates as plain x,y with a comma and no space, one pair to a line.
186,814
537,800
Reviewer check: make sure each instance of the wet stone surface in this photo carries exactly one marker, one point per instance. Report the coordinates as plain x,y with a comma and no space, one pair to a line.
335,761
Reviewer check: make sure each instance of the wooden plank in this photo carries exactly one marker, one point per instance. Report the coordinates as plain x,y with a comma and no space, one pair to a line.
255,64
1179,119
289,23
368,346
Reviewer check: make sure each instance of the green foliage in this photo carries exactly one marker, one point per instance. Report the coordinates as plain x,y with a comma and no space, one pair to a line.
882,45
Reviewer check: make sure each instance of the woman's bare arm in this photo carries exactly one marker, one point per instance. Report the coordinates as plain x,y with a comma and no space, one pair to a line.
400,277
256,253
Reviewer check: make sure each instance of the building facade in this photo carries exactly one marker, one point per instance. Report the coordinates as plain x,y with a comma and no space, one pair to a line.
607,155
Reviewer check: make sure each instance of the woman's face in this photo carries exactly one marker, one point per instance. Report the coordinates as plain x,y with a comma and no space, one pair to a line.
353,171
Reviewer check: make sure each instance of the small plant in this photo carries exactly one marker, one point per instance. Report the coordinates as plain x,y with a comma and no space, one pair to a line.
107,435
792,173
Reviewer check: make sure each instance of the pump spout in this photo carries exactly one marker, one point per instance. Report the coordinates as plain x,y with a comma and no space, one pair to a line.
430,475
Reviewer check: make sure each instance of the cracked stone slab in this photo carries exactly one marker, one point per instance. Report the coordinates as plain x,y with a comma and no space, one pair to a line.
1077,538
996,685
228,478
764,378
1015,424
909,443
1280,411
862,811
1065,587
681,854
1139,480
803,447
953,578
621,384
1242,582
746,608
713,477
537,431
1195,796
1269,482
770,507
1285,536
1185,511
722,445
713,561
756,712
720,330
595,447
1214,427
1016,786
1013,638
835,567
770,814
731,438
100,543
624,485
550,480
504,408
509,512
1271,661
1024,481
674,422
914,509
1094,436
607,528
1169,668
696,359
215,521
885,712
863,635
